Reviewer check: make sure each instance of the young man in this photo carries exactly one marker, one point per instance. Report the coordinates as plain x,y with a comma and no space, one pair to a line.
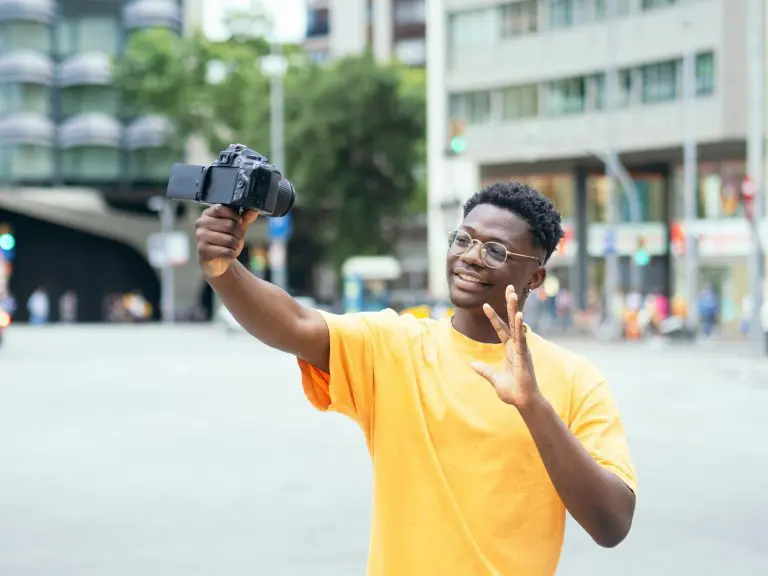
481,433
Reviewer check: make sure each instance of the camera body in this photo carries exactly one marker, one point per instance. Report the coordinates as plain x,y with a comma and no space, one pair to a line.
240,178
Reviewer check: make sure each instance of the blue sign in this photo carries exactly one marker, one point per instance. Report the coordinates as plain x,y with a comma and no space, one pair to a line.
609,243
280,228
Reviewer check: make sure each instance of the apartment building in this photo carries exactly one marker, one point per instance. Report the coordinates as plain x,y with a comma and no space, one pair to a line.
77,167
526,78
392,28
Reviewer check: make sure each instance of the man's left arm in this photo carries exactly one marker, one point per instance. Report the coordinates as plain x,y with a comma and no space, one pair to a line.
588,463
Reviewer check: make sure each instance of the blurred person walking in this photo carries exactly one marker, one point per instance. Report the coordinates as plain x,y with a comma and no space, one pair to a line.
39,307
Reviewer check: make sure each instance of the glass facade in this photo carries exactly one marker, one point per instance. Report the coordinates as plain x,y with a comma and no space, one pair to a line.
651,198
61,119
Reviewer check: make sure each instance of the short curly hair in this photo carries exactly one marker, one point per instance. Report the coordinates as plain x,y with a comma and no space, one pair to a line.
521,199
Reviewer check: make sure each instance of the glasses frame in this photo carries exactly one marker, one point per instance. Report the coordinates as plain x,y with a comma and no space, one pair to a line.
483,250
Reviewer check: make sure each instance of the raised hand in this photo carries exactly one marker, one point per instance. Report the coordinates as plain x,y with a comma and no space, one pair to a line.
515,382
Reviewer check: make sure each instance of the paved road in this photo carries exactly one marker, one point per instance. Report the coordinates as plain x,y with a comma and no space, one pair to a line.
159,452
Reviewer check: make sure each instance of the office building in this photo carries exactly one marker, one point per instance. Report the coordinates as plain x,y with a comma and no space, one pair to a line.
524,82
391,28
77,167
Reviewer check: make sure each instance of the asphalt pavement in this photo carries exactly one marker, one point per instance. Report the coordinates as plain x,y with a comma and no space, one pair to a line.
157,451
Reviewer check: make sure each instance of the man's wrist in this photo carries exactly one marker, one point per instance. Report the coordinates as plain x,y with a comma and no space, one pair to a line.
534,407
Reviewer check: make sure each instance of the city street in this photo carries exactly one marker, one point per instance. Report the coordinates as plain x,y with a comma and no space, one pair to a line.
154,451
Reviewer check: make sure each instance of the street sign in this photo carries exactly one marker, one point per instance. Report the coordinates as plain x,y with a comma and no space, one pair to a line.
277,255
280,229
609,243
170,249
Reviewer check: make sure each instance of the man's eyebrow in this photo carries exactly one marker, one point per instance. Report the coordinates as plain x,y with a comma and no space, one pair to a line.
491,238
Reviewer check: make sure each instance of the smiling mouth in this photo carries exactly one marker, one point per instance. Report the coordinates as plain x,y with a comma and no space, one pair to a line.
465,278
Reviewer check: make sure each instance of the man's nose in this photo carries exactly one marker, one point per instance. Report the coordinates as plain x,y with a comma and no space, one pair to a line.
475,254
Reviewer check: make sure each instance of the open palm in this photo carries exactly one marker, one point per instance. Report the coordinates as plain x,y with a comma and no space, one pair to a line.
515,382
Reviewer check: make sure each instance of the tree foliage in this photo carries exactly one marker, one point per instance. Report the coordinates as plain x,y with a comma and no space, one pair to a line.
354,128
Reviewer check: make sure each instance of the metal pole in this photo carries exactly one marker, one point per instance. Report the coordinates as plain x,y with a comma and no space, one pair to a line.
279,265
756,153
612,279
690,170
167,276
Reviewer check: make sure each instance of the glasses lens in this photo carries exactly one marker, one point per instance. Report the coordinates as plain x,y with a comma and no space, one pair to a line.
459,242
494,255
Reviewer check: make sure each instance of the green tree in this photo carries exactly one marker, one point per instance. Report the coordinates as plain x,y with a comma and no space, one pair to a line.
353,150
354,129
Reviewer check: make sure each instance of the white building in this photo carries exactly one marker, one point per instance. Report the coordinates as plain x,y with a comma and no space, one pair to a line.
527,77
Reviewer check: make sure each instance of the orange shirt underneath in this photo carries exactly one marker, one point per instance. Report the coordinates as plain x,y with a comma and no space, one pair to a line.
459,486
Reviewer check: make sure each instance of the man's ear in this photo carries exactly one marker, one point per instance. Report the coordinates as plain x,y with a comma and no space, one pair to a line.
537,279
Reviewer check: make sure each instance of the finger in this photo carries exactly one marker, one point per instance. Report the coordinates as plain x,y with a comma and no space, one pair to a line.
250,217
221,211
485,371
212,238
522,342
223,225
502,330
210,252
512,310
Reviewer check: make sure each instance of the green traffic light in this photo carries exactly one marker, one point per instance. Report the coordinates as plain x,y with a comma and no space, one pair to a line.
458,145
642,258
7,242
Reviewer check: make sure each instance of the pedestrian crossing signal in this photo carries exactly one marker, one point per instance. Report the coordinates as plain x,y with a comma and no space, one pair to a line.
7,242
458,143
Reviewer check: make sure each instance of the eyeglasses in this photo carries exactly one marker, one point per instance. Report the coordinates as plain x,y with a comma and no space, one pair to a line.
492,254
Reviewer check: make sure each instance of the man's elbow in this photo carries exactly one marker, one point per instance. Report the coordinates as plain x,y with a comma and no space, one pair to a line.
611,539
614,530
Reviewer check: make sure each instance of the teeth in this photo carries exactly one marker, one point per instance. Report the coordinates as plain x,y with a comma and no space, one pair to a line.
470,279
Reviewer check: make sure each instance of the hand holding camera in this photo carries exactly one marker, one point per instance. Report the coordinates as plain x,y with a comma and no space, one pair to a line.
220,235
238,186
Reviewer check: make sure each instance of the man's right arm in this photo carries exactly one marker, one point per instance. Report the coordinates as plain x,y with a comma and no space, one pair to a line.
264,310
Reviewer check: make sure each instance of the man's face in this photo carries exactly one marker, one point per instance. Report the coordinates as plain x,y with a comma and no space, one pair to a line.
471,282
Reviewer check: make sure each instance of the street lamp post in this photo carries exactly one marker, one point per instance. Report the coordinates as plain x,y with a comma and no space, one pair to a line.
275,66
690,169
756,155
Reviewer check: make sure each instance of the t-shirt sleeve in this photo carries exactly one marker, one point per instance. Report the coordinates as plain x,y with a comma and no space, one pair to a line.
348,387
597,424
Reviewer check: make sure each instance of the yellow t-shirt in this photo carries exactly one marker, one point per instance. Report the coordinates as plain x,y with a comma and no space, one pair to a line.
459,486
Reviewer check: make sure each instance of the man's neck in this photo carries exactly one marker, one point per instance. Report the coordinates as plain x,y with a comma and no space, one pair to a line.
475,326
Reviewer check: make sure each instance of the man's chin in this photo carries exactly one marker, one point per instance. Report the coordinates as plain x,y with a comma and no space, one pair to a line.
466,301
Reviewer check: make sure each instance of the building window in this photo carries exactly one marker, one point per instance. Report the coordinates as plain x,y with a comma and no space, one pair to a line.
660,82
411,51
705,74
152,164
88,99
624,7
318,23
88,34
518,18
410,11
473,29
474,107
25,36
653,4
91,164
519,102
650,192
566,96
20,98
561,13
624,97
26,162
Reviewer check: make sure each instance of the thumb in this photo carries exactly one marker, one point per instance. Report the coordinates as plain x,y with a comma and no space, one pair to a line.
485,371
249,217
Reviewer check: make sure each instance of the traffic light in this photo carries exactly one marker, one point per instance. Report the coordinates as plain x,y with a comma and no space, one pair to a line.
458,142
7,239
642,256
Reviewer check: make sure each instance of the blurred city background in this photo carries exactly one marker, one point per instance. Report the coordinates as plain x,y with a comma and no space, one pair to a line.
146,449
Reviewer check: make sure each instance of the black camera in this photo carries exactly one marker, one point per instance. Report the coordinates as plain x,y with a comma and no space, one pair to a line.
239,178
